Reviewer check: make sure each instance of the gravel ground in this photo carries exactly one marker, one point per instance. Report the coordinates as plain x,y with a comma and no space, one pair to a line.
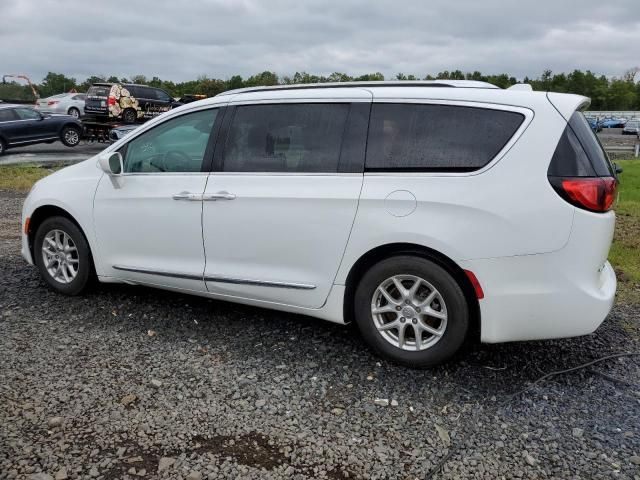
129,382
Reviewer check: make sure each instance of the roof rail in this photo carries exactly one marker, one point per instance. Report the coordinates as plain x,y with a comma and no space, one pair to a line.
392,83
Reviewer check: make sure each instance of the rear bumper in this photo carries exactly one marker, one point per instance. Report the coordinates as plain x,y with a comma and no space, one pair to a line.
527,299
561,294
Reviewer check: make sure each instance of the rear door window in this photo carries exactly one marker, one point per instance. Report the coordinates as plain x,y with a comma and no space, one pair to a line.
296,138
7,115
427,137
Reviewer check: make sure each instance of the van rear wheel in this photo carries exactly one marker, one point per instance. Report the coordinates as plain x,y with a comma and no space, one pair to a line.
412,311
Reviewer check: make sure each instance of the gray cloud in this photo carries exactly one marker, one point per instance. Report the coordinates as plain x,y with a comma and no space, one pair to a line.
219,38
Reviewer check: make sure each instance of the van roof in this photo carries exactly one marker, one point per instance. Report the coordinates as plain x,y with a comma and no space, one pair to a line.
393,83
109,84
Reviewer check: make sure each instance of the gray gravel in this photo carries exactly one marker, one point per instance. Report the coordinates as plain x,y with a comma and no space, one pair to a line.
130,382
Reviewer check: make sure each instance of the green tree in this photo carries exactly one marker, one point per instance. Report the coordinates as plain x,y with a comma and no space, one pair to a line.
262,79
55,83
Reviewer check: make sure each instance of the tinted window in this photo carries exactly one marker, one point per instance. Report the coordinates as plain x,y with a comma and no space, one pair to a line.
177,145
591,145
27,114
162,96
133,90
569,158
579,152
145,92
286,138
99,90
6,115
79,97
415,137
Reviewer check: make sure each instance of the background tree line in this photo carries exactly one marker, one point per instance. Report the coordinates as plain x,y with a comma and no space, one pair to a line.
621,93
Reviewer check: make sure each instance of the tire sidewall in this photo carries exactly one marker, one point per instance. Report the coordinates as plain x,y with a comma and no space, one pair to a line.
64,140
79,283
457,310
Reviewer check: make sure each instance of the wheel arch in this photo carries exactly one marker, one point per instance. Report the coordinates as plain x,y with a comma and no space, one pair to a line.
375,255
43,212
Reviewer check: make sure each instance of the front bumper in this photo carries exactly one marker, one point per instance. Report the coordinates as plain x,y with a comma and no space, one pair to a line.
25,251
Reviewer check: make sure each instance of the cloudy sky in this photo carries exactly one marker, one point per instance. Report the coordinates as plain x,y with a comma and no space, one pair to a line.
181,40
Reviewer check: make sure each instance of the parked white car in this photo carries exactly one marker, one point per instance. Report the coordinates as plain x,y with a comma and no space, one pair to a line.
425,212
64,103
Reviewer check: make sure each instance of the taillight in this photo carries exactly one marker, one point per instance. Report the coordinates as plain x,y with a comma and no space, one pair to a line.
52,102
112,100
596,194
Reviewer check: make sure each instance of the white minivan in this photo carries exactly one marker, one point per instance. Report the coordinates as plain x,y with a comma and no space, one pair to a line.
426,212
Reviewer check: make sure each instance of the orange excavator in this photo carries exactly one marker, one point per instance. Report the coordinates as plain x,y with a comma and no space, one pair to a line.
23,77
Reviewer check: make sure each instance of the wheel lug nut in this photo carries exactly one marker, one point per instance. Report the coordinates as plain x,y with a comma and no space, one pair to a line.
398,308
417,309
414,320
406,302
402,319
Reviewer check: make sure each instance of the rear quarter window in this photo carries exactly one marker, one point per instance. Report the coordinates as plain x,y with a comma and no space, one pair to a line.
579,152
420,137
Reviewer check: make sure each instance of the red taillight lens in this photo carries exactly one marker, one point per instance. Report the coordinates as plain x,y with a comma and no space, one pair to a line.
52,102
112,100
595,194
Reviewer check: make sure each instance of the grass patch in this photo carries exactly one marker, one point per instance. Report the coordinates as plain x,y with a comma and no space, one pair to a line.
625,251
22,177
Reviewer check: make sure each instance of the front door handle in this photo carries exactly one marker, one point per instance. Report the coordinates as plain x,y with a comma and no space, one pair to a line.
219,196
193,197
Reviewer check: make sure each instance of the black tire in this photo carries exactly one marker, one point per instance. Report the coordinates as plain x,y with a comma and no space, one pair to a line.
74,112
457,310
83,255
129,116
70,136
3,147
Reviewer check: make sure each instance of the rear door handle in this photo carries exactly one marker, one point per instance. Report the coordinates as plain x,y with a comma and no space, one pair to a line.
219,196
192,197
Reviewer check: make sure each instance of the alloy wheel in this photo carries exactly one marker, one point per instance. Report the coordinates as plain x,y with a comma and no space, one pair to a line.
409,312
71,136
60,256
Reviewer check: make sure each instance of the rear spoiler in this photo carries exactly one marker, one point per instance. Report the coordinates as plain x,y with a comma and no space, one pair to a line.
566,104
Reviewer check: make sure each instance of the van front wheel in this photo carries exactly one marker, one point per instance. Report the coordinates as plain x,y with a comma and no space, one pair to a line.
62,255
411,311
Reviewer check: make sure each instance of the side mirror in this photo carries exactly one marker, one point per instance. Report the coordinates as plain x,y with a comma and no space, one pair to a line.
111,163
